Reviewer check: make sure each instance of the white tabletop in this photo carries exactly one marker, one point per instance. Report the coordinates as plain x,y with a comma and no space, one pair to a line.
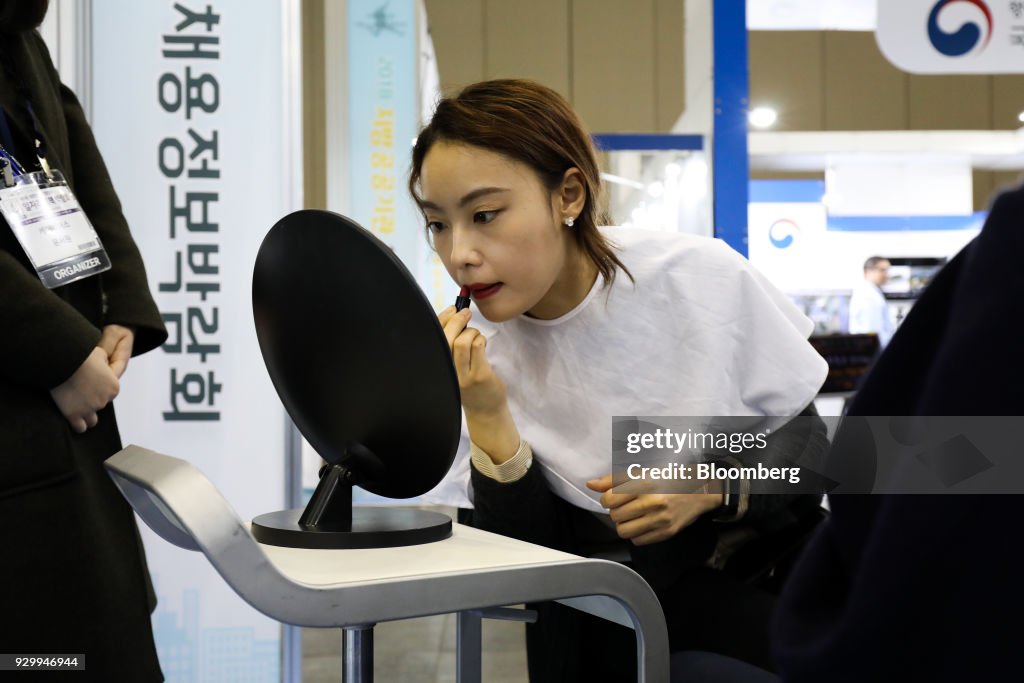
466,550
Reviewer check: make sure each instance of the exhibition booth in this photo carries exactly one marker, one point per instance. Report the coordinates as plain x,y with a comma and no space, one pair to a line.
244,466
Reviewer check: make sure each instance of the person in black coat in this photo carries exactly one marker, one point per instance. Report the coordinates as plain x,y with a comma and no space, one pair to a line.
918,587
74,574
926,587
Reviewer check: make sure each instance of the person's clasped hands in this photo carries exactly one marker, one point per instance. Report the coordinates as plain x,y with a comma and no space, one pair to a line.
96,382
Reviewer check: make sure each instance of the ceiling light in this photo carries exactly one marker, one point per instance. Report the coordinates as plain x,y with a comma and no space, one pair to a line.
762,117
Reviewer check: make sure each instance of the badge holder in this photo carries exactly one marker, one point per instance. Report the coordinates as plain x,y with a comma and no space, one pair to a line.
52,228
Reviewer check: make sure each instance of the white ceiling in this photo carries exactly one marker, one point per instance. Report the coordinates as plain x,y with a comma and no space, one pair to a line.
812,15
998,150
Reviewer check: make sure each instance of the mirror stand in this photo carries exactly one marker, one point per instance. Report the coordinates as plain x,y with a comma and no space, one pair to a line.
330,521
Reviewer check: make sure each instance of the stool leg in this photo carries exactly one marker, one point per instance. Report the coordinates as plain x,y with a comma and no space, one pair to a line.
357,654
469,642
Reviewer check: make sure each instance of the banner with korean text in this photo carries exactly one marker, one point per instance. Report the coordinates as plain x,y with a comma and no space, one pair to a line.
391,77
192,107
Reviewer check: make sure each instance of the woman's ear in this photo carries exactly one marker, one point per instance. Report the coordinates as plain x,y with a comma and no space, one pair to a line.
571,195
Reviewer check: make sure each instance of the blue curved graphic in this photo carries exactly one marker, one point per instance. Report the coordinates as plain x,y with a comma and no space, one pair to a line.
787,237
965,38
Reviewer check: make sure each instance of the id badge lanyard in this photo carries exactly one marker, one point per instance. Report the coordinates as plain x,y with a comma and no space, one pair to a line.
45,216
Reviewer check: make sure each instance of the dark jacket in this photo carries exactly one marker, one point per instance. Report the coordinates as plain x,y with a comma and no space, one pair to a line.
74,574
925,588
528,510
565,646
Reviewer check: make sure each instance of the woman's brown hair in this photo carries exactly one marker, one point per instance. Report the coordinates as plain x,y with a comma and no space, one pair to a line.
532,124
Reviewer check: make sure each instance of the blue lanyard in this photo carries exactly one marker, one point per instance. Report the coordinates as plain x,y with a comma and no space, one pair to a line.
7,142
40,147
6,139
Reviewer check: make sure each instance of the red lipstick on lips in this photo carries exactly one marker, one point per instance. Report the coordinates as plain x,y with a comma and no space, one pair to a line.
482,291
462,300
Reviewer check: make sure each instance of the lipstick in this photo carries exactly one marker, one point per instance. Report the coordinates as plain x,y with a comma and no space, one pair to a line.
462,300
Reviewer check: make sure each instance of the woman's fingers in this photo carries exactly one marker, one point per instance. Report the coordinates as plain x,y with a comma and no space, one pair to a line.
654,517
120,357
481,389
656,536
462,352
453,324
469,353
640,526
479,367
634,509
445,314
612,500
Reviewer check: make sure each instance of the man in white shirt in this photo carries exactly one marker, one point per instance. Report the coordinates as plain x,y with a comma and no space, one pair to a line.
868,310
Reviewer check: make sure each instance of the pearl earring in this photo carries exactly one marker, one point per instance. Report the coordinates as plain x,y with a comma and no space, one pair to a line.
569,221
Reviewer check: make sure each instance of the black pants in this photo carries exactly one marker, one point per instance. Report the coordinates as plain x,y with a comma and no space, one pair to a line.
704,609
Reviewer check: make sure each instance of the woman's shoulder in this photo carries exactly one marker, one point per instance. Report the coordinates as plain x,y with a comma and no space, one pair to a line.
30,56
659,240
653,250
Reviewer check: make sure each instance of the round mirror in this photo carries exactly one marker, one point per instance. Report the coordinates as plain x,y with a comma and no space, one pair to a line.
357,356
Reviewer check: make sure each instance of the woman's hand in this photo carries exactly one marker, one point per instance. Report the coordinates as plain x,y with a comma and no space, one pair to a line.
645,518
117,341
483,392
88,391
484,397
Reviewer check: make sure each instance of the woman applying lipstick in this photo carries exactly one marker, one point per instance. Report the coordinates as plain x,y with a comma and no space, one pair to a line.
581,323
